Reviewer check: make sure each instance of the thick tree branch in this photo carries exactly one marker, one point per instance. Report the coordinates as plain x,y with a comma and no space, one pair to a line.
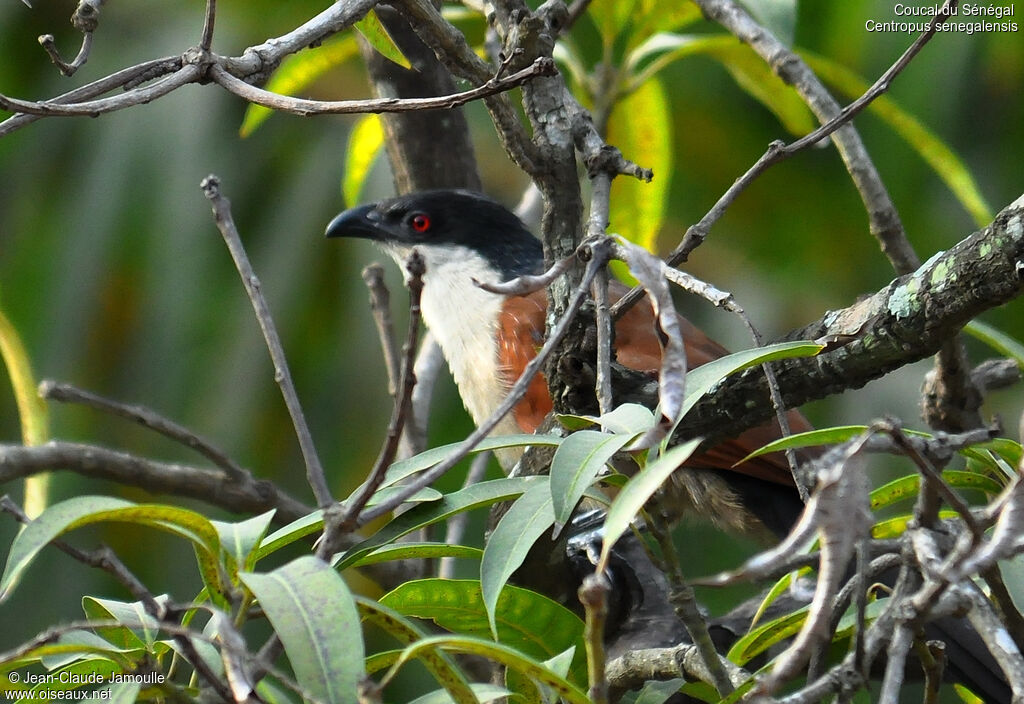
906,321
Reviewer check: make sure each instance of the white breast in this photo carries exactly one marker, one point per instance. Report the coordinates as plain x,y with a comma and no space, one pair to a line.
464,321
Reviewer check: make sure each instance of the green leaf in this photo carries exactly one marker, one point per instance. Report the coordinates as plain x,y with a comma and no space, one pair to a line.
822,436
440,665
85,510
482,693
930,148
298,71
576,464
897,526
637,209
90,644
527,621
637,491
656,692
997,339
122,692
418,551
503,655
240,540
767,635
140,631
74,676
908,487
32,413
365,142
427,459
654,16
611,16
778,589
375,33
294,531
467,499
525,521
314,615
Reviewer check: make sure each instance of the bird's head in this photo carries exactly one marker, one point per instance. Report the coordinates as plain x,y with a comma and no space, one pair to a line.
449,227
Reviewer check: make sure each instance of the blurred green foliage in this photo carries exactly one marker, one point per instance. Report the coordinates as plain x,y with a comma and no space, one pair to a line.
114,275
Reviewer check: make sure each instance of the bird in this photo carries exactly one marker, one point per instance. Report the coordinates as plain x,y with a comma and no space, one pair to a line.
488,338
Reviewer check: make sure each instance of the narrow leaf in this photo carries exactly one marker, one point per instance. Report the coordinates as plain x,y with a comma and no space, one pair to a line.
637,491
32,413
84,510
239,540
440,665
525,521
419,551
364,144
637,209
575,466
503,655
315,617
374,32
425,460
471,497
997,339
294,531
527,621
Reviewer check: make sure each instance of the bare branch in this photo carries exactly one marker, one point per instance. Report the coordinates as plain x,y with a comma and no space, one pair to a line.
190,73
67,393
415,266
380,307
208,23
210,486
305,107
283,377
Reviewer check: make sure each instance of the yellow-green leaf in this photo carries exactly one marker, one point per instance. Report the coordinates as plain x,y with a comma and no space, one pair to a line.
364,144
638,208
375,33
298,71
31,409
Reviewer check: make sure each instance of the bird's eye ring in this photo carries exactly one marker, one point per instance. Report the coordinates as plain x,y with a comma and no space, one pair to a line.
420,222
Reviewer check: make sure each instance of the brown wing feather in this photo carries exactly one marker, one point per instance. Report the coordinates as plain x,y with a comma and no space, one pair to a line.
521,332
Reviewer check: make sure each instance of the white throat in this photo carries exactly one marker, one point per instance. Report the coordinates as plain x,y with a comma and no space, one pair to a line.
464,320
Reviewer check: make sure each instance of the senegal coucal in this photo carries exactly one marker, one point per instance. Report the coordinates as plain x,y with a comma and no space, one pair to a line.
488,339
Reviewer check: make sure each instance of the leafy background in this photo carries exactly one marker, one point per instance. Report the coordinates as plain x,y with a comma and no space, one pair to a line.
114,275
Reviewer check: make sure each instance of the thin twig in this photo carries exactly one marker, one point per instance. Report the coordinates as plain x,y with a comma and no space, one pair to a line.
597,225
206,41
66,393
458,523
527,283
416,267
49,45
92,108
933,476
226,225
515,394
211,486
593,594
380,307
108,561
684,603
430,364
778,151
301,106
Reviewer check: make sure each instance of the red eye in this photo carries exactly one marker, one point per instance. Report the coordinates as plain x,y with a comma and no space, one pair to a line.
420,222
